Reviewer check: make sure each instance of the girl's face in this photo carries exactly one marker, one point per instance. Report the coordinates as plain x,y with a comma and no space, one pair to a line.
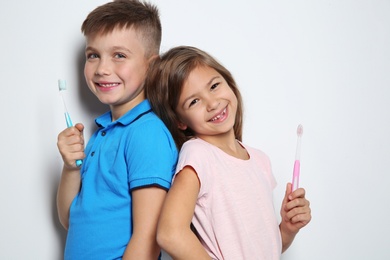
115,69
207,104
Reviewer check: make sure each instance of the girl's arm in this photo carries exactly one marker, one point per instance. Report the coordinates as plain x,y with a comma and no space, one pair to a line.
295,213
174,234
147,204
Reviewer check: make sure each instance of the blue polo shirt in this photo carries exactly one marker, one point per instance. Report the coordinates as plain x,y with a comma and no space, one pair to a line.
135,151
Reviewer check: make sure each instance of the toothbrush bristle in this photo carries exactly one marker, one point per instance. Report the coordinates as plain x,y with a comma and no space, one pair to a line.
300,130
61,84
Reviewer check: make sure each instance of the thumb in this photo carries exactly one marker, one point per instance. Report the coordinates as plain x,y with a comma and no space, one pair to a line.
287,193
80,127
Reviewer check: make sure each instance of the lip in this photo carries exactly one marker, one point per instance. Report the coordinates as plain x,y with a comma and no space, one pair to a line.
106,86
220,117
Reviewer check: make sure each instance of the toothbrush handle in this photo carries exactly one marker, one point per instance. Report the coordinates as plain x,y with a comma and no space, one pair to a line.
295,180
69,123
68,120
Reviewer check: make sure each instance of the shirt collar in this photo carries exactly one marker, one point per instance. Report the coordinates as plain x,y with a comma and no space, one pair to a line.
105,119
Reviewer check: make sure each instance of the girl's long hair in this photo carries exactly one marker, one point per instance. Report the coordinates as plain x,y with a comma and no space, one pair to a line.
166,78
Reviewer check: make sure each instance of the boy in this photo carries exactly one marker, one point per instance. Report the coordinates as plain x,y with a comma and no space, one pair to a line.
110,206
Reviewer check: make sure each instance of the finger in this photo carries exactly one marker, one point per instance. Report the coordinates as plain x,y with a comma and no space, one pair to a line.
298,193
303,218
286,194
70,131
297,210
75,139
70,136
74,148
72,154
297,202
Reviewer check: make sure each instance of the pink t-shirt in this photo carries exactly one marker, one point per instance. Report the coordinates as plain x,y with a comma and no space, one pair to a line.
234,213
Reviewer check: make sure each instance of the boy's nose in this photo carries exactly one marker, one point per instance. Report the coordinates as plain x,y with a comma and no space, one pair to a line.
102,69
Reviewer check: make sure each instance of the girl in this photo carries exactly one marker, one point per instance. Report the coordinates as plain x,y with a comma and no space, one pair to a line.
222,186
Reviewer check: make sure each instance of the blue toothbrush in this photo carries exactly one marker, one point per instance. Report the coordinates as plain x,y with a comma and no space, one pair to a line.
61,87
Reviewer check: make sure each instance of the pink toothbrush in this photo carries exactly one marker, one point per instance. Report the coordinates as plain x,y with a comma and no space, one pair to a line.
297,163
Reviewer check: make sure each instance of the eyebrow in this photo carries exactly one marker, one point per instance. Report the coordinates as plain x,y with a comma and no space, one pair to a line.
113,48
120,48
212,79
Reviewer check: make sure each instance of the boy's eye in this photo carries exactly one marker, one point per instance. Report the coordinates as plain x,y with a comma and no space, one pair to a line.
119,56
91,55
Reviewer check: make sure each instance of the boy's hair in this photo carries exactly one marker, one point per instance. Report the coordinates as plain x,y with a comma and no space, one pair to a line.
143,17
166,78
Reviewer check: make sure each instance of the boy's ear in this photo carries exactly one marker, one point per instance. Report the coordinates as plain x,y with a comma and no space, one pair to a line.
182,126
153,57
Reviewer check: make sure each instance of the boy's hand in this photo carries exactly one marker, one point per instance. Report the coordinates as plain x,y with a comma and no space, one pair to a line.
70,143
295,211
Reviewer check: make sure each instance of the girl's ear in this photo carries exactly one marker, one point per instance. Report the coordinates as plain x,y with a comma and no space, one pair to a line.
182,126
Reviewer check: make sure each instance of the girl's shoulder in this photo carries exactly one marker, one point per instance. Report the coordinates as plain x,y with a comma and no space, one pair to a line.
196,145
253,150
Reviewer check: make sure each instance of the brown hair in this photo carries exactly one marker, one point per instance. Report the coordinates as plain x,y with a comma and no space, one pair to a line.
166,78
141,16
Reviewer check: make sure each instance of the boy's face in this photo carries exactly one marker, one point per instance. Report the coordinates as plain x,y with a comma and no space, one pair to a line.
115,69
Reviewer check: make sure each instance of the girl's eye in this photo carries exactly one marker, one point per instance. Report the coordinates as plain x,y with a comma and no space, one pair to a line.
214,86
193,102
92,56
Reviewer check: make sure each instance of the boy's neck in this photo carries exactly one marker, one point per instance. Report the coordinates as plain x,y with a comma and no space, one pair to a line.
118,111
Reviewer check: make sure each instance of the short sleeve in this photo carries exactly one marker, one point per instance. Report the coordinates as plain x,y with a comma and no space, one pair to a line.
151,155
196,155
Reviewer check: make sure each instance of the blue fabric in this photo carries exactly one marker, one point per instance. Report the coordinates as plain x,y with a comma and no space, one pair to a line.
135,151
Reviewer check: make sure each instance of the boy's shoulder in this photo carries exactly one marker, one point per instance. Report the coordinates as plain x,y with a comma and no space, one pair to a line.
142,121
141,115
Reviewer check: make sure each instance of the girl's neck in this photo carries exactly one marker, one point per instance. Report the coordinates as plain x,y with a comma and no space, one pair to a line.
228,144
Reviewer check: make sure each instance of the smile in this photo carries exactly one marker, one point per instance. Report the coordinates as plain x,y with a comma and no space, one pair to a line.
107,85
219,117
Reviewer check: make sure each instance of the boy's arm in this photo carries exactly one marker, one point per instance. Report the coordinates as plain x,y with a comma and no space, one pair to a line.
147,204
174,234
69,187
71,146
295,213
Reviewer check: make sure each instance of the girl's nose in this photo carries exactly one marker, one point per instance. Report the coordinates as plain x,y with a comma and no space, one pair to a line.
212,104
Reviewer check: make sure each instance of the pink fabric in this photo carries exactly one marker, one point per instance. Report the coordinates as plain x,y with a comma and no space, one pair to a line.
234,214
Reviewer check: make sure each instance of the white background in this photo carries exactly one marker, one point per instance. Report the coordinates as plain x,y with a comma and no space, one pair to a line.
324,64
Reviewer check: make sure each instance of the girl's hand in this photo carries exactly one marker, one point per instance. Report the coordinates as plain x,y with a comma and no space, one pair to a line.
296,214
295,211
